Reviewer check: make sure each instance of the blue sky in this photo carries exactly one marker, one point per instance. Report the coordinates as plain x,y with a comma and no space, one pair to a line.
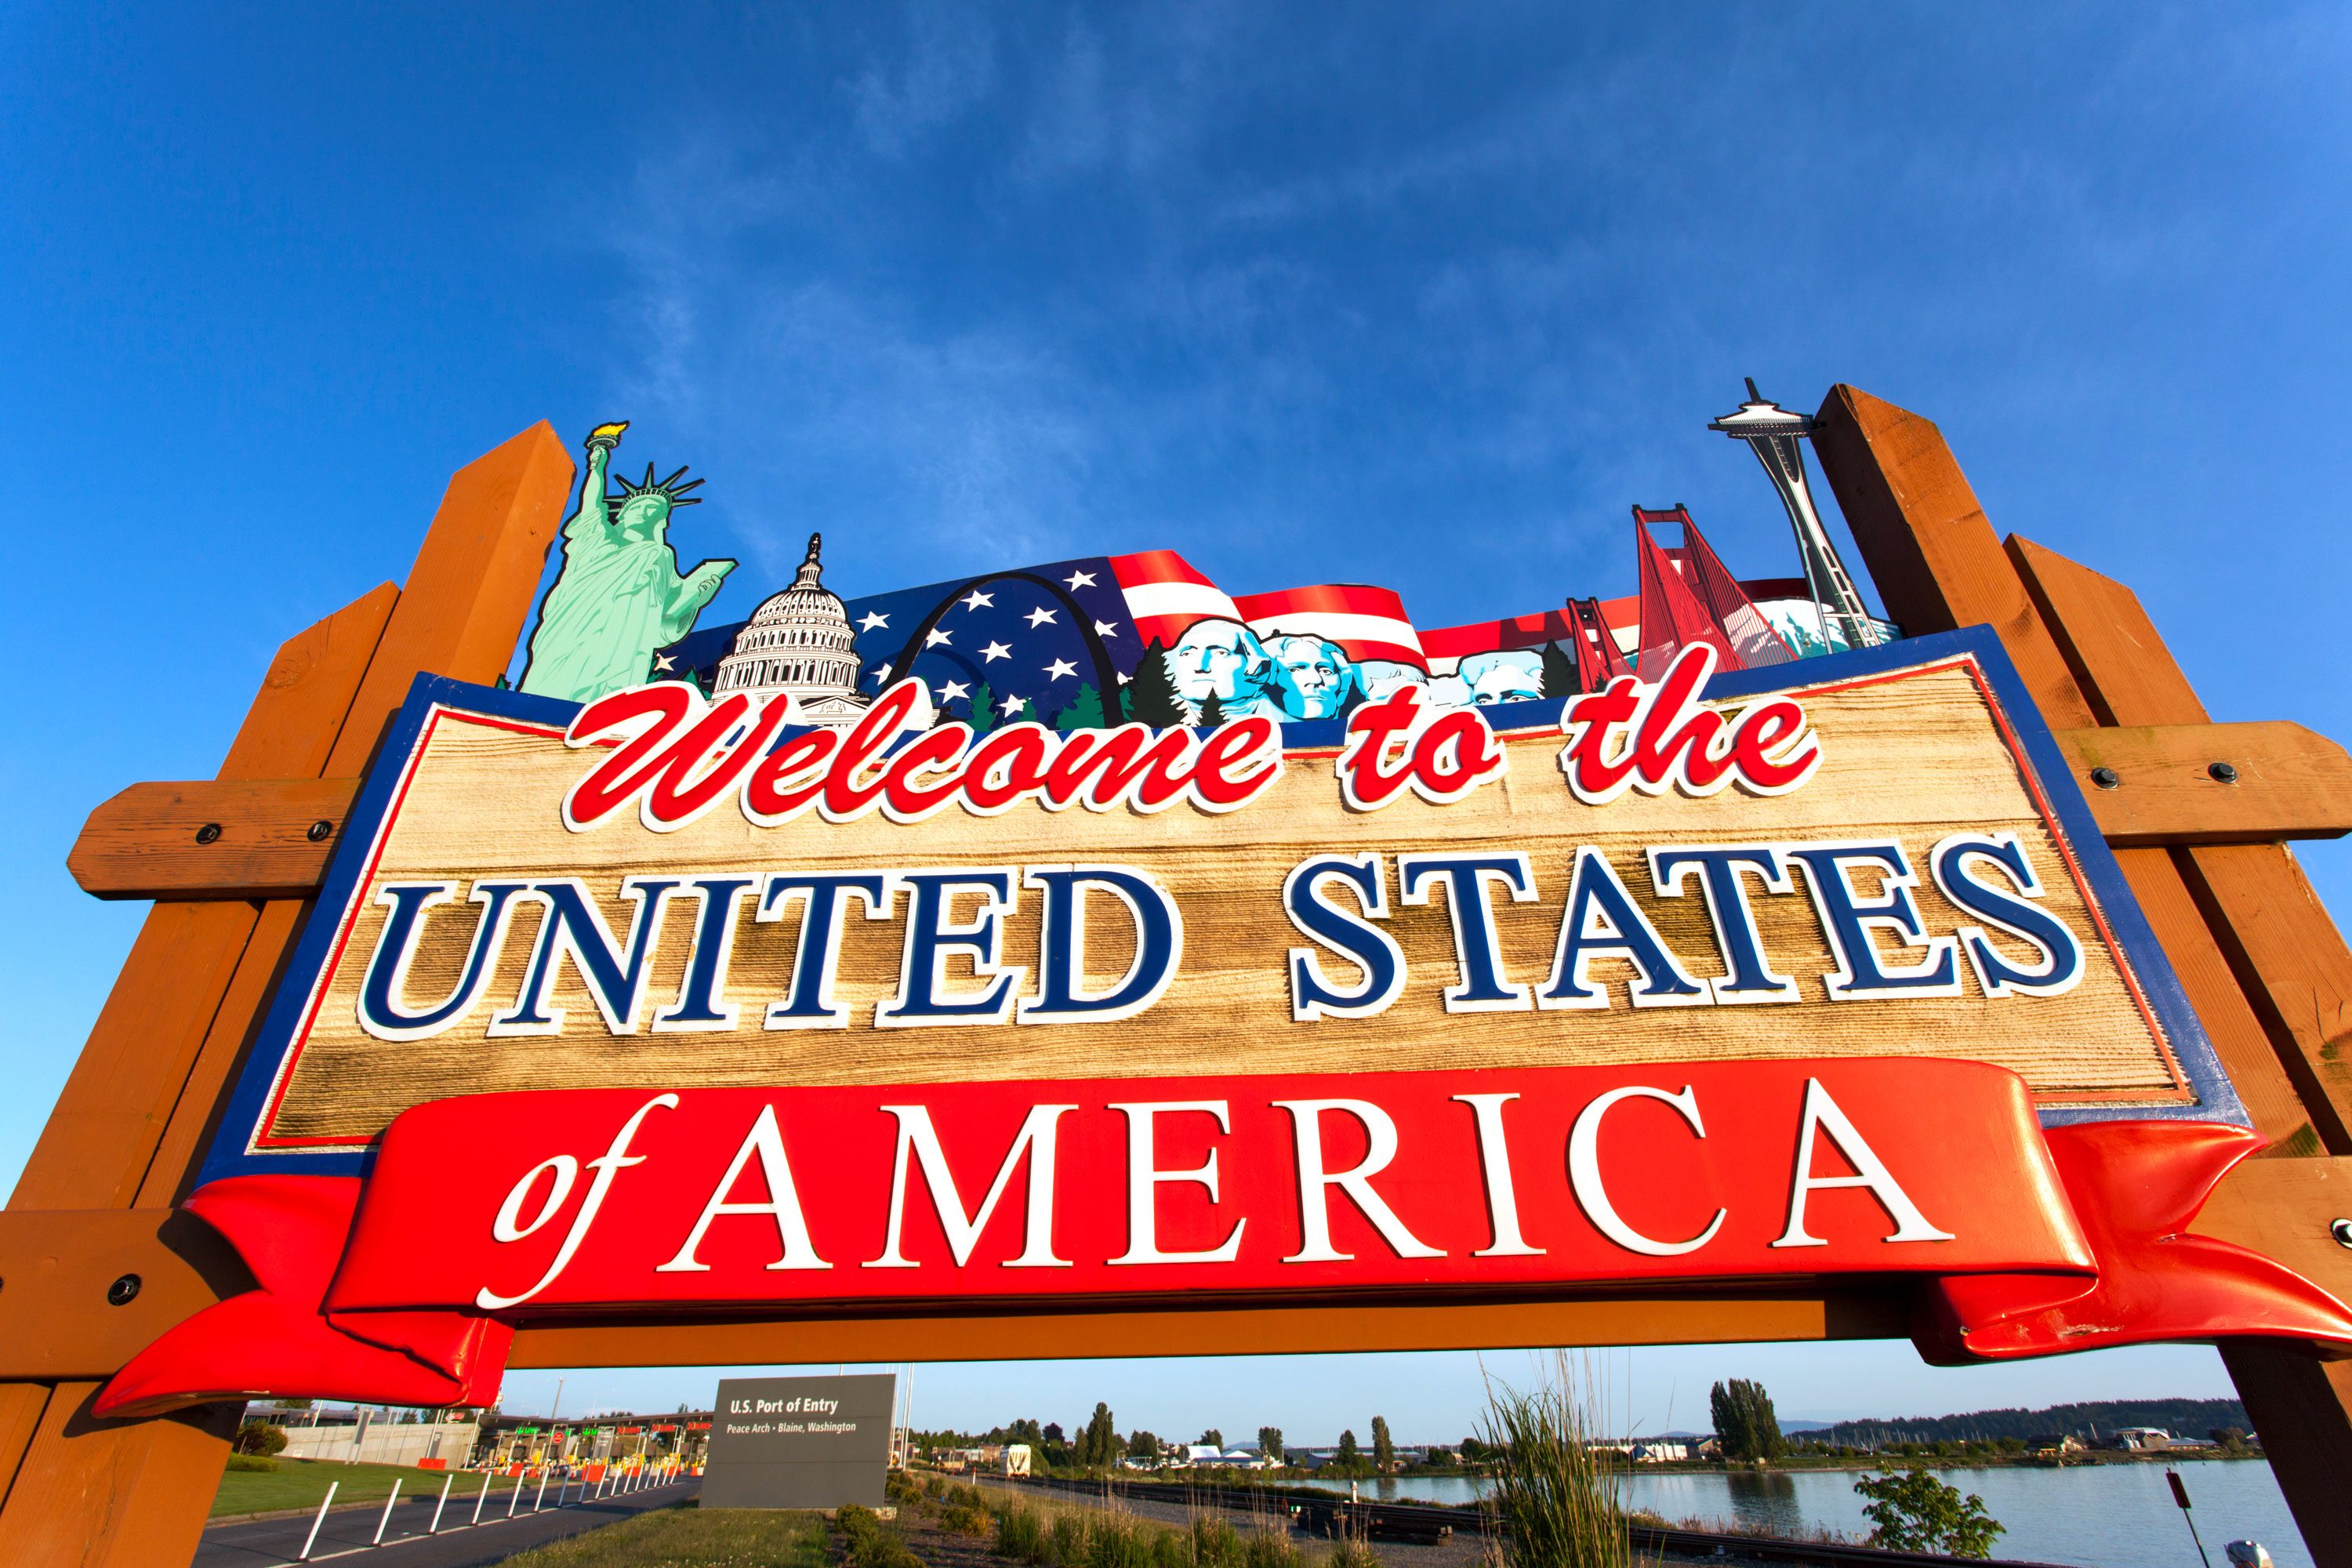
1424,296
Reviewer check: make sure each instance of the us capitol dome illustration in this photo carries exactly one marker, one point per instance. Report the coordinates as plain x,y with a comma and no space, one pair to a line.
798,641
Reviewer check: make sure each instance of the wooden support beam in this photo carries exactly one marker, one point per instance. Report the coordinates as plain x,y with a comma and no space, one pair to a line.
2212,783
1614,1319
1937,565
2089,655
476,576
2285,1209
1930,549
126,1494
59,1317
213,839
2296,1401
2287,955
141,1100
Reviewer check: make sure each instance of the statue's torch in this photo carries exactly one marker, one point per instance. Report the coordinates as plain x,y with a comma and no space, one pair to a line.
606,435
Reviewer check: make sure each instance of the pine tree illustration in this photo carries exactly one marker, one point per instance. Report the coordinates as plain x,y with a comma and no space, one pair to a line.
1212,712
1085,712
1558,672
985,716
1151,695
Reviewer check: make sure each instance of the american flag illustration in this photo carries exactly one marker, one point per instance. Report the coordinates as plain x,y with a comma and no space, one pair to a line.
1063,643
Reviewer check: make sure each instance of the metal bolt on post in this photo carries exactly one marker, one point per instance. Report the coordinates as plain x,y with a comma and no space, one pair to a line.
312,1539
448,1482
386,1517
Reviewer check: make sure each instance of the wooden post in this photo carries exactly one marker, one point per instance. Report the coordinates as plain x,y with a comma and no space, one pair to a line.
143,1097
2268,972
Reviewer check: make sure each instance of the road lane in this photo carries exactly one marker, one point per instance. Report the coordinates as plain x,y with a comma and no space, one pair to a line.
267,1542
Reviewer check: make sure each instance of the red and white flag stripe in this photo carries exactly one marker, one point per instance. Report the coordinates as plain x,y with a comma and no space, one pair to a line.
1368,623
1165,594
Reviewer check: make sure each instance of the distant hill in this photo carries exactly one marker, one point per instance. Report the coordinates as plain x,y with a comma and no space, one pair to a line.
2181,1418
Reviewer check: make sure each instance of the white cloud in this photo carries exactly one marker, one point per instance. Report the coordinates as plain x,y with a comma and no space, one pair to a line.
949,67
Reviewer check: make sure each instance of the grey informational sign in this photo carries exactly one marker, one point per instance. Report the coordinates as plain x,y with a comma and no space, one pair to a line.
799,1442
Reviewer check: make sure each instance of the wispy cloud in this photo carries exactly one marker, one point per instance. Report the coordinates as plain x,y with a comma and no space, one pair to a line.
947,67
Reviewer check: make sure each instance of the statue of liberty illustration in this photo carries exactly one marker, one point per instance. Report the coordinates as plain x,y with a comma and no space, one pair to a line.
619,594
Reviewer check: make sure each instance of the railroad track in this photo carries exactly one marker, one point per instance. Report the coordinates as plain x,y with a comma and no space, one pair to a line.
1428,1522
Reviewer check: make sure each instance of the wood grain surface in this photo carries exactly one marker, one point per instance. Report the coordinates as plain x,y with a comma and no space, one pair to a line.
1912,758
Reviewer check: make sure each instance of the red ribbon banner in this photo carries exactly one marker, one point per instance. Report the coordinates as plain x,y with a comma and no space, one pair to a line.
704,1201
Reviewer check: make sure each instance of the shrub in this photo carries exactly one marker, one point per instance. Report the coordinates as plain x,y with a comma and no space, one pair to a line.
1354,1549
250,1462
1269,1546
1914,1512
1118,1540
1215,1543
873,1544
260,1437
1020,1536
1171,1548
965,1518
1069,1534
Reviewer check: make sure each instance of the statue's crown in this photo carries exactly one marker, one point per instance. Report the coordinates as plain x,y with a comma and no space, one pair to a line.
668,490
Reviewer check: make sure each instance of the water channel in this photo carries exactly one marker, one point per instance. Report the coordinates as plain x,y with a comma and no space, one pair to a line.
2098,1516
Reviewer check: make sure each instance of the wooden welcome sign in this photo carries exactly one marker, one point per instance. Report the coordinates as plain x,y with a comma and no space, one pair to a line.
1239,974
1709,976
519,904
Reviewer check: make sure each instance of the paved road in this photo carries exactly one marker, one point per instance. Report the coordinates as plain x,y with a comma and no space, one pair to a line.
265,1543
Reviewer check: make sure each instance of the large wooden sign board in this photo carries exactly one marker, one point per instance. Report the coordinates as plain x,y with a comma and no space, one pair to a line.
1292,1025
1916,748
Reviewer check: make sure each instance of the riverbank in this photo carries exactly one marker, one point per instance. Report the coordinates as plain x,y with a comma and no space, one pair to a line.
1881,1461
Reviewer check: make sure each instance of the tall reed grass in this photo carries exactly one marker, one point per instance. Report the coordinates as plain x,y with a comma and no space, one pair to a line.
1040,1533
1555,1502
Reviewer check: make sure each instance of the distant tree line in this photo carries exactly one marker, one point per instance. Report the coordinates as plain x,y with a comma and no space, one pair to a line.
2181,1418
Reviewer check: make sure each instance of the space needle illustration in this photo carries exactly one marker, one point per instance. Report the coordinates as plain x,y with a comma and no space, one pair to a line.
1771,433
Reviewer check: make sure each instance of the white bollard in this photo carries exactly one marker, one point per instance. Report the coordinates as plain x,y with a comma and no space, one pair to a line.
539,1500
387,1512
442,1504
513,1501
324,1504
481,1497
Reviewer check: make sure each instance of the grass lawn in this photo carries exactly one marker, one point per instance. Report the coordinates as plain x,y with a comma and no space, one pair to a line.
690,1538
300,1483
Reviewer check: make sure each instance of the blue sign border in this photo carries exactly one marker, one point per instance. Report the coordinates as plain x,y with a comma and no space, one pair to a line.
2215,1100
